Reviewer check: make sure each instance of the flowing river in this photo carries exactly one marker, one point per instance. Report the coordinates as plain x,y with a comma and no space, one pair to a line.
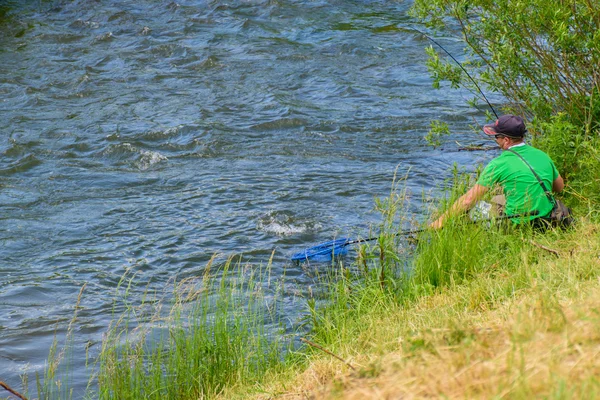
148,135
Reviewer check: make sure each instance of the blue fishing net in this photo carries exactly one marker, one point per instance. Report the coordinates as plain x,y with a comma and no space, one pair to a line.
323,252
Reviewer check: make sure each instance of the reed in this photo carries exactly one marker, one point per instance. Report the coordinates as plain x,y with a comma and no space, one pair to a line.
359,293
220,331
56,382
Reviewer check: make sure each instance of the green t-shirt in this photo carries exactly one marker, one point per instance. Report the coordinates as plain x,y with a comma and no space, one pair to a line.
522,190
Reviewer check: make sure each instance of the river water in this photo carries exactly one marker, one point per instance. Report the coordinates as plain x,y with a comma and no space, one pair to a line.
149,135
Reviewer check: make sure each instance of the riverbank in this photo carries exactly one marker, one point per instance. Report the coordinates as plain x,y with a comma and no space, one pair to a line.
472,310
524,326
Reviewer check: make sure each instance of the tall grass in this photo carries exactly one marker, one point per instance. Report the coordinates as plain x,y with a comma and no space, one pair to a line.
372,285
221,331
496,260
56,382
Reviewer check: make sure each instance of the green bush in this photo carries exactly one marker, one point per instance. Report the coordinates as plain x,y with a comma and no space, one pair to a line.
576,155
543,55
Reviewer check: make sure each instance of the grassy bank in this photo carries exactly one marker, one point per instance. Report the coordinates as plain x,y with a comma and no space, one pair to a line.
484,311
517,331
473,310
487,313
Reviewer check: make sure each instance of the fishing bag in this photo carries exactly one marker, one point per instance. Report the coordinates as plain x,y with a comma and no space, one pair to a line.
561,215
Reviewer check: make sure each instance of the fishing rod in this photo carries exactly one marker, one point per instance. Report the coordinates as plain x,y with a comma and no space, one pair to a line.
339,247
461,67
325,251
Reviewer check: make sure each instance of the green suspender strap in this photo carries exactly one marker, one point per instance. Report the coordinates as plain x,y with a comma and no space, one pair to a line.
560,215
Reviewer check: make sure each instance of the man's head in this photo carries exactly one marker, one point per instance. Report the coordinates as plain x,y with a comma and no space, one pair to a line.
508,125
507,130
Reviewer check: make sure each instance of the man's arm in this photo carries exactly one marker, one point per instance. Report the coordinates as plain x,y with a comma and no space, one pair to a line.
558,185
464,203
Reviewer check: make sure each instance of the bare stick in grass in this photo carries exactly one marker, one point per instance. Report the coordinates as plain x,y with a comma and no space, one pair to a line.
12,391
328,352
548,249
474,147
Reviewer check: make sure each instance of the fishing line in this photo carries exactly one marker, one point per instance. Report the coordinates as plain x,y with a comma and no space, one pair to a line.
461,67
325,251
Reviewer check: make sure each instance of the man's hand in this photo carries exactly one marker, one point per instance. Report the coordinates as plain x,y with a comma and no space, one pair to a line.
464,203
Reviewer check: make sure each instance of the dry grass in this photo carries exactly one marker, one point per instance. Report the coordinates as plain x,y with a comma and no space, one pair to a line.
524,349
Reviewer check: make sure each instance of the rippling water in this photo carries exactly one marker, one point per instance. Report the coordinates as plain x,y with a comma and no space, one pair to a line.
152,134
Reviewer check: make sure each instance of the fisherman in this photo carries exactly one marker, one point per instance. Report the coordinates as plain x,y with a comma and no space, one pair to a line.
512,171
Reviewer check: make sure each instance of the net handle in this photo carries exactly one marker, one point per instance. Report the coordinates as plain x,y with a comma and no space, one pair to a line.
500,217
305,254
